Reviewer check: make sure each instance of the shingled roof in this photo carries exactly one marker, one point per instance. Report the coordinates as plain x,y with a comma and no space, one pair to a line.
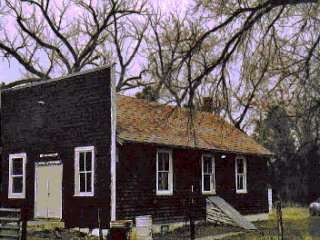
149,122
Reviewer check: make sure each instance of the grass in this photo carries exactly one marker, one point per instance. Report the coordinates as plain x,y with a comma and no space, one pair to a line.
296,223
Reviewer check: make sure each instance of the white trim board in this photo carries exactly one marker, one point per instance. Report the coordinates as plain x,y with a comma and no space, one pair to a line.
168,192
245,187
77,152
48,163
21,195
113,146
212,177
68,76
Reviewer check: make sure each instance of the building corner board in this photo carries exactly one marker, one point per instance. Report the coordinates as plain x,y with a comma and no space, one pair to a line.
113,144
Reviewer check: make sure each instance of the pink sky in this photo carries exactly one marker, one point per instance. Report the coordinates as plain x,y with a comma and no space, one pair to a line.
13,71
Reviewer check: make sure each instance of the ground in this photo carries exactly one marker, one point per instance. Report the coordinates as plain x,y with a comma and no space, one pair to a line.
55,231
297,225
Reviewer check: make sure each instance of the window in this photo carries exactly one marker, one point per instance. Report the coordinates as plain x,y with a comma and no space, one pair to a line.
164,172
208,174
241,175
84,171
17,175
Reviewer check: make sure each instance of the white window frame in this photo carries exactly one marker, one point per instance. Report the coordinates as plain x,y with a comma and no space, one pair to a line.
170,175
21,195
77,152
244,190
212,176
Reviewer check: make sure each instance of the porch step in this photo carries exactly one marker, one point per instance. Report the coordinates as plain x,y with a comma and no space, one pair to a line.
9,219
217,206
10,227
9,236
10,210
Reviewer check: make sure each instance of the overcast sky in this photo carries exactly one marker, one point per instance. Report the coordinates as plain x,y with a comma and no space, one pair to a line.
13,71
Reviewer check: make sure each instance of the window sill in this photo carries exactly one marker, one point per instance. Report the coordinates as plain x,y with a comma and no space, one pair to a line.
16,196
84,195
209,193
241,191
164,193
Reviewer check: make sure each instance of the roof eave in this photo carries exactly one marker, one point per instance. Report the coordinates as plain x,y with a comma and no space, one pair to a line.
121,141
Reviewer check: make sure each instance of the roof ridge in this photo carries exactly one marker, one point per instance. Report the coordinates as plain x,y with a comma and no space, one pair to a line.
63,77
184,109
172,106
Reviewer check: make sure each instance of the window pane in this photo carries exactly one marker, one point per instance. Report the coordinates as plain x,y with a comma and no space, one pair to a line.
17,184
163,162
17,166
213,181
82,182
206,183
240,166
88,161
89,182
163,183
165,156
166,162
240,182
207,165
81,161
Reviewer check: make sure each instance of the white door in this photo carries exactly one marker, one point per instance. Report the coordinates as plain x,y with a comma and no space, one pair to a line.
48,190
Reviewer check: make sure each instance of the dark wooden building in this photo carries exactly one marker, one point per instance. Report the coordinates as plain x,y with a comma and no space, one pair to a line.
72,149
50,130
205,157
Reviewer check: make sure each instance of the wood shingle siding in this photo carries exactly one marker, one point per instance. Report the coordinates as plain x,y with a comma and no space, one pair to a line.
56,117
136,184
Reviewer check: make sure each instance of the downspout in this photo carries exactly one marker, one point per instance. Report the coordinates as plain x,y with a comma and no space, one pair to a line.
113,143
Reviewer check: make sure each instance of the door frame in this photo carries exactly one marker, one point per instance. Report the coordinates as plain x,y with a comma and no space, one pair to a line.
46,163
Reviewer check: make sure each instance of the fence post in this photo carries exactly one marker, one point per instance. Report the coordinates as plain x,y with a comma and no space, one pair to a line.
279,220
23,223
192,228
99,223
270,199
192,225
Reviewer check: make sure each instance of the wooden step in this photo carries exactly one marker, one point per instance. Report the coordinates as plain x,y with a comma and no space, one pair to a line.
9,219
9,236
10,227
16,210
220,220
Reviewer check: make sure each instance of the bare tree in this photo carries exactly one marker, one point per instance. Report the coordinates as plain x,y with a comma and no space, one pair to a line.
239,52
127,37
266,41
51,38
170,37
